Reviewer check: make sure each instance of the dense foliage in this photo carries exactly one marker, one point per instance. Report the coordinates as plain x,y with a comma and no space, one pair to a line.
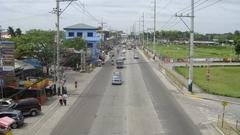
179,35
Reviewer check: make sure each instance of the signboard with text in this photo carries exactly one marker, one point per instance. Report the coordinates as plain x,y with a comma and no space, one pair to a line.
7,55
7,60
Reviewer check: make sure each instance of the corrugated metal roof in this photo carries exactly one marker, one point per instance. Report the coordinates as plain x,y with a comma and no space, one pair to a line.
80,26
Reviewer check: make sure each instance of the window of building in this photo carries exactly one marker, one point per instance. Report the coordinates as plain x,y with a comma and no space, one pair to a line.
90,34
90,45
79,34
71,34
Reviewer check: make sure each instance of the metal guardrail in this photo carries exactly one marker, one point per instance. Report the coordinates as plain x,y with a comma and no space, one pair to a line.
172,77
227,128
238,125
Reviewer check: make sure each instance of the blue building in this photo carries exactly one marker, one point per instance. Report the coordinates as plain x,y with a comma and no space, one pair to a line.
89,35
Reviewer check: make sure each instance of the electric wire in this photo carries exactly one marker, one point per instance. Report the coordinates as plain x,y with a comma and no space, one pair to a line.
66,7
208,5
81,5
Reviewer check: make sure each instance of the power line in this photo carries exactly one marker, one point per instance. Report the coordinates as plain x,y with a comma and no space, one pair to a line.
167,22
84,12
66,7
81,5
173,25
196,5
209,5
188,7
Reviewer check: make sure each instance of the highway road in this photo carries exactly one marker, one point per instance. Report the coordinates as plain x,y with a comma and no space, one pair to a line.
142,105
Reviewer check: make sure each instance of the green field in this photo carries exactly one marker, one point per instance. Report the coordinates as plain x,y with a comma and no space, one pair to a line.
182,51
223,80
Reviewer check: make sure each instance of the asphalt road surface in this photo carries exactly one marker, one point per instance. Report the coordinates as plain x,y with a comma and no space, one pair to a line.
142,105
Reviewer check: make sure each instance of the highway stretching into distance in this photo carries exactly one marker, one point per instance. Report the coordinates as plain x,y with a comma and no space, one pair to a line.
142,105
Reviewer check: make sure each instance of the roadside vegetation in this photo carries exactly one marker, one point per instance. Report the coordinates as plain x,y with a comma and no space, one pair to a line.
181,51
222,80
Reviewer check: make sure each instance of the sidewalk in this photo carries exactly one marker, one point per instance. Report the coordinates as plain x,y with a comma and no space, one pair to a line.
52,112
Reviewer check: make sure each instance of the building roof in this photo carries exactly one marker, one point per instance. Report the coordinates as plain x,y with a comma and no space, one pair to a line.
80,26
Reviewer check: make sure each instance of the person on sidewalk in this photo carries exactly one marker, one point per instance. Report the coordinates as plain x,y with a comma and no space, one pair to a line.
76,83
60,99
65,99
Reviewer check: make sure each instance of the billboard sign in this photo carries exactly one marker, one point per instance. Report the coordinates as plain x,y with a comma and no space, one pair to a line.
7,64
7,56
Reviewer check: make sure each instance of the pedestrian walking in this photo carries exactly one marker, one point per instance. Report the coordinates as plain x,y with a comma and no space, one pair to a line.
76,84
60,99
65,99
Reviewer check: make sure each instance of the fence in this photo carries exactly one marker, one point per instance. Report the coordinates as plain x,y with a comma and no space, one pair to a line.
238,125
172,77
227,128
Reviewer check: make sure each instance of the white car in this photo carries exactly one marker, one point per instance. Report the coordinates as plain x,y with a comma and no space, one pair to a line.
116,78
135,56
6,102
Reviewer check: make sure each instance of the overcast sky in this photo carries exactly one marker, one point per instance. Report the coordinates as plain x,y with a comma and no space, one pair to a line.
122,14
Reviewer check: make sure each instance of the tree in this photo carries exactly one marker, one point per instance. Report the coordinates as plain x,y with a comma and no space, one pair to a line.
11,31
73,59
18,32
237,47
237,33
37,44
76,43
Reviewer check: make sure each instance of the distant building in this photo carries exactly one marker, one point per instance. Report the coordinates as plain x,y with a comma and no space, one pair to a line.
5,35
206,43
89,35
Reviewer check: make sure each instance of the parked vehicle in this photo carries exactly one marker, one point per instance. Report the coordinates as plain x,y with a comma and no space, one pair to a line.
14,114
6,102
5,125
28,106
116,78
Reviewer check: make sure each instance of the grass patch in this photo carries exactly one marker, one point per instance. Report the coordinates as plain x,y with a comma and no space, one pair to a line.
182,51
223,80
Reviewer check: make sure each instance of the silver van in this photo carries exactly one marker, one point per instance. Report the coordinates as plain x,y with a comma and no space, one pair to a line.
116,78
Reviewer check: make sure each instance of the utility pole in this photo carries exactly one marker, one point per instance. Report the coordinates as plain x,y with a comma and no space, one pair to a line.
0,32
154,33
191,46
102,25
58,47
135,31
57,11
139,30
191,49
143,30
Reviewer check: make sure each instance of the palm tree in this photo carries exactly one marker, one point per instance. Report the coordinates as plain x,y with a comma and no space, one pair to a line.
11,31
18,32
